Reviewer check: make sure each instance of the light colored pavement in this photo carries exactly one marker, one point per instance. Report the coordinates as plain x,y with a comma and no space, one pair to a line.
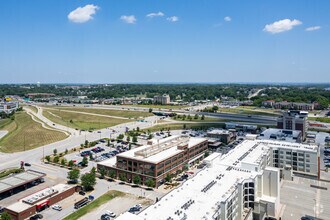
102,187
35,118
118,206
3,133
299,199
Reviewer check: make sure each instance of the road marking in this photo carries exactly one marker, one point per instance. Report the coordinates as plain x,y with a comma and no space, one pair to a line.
45,167
51,177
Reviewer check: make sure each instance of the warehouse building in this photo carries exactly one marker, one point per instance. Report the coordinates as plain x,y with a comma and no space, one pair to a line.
243,184
157,159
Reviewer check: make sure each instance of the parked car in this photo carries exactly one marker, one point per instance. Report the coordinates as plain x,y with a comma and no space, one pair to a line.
133,210
82,193
111,214
105,217
37,216
57,207
139,206
306,218
27,164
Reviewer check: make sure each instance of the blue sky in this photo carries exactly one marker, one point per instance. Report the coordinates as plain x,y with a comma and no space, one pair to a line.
114,41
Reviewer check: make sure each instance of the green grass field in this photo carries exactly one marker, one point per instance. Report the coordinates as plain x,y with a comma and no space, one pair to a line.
110,112
81,121
24,133
33,108
94,204
320,119
7,172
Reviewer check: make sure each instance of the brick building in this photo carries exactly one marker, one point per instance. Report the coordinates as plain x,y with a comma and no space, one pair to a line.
294,120
156,160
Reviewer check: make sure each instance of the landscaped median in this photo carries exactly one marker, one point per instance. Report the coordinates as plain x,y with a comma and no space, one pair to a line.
94,204
7,172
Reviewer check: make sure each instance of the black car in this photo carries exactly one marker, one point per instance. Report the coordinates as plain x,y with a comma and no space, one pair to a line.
82,193
105,217
133,209
27,164
37,216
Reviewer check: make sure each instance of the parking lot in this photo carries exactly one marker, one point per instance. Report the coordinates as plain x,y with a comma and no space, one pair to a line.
99,152
118,206
299,198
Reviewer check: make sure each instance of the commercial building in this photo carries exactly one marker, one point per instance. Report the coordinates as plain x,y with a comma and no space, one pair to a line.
241,127
8,107
294,136
36,202
164,99
157,159
243,184
294,105
224,136
294,120
18,182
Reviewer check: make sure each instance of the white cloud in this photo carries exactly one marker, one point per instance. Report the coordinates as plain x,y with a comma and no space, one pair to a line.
153,14
173,19
83,14
227,18
314,28
129,19
281,26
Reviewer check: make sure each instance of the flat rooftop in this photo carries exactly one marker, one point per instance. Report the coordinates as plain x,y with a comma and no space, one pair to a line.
163,149
218,131
205,203
38,197
280,134
214,184
291,146
16,180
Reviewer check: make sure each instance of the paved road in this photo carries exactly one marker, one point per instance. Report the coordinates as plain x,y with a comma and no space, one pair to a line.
76,138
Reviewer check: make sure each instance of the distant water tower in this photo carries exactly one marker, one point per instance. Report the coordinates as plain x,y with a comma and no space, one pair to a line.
38,84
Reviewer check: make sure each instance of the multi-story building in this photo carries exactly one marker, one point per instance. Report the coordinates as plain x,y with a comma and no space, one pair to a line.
163,99
294,105
243,184
8,107
222,135
156,160
294,120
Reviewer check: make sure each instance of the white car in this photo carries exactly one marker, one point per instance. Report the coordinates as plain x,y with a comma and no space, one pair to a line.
111,214
139,206
57,207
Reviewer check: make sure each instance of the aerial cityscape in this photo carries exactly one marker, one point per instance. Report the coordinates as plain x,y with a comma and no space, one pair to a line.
164,110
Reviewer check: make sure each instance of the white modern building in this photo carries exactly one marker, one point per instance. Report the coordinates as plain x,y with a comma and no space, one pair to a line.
243,184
